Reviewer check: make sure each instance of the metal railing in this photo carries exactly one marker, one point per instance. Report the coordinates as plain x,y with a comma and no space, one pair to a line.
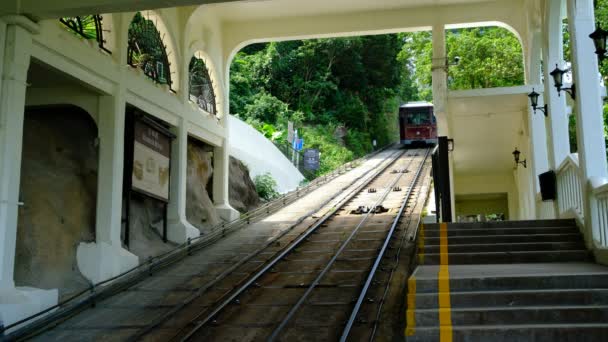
104,289
297,159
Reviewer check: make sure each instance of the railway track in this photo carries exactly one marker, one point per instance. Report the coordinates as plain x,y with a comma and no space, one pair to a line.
114,312
311,283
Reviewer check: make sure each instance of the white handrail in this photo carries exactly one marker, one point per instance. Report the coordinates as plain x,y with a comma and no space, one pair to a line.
599,200
569,190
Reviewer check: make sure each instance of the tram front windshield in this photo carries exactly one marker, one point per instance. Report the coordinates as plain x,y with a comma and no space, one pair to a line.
419,117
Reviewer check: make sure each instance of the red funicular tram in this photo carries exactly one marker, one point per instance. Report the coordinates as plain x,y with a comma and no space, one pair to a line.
417,123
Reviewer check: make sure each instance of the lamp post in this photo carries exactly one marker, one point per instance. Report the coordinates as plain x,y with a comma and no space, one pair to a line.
516,155
558,79
534,101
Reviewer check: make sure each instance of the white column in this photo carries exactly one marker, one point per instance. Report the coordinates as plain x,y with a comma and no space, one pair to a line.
111,166
179,230
221,174
589,120
221,157
440,80
15,303
440,97
106,258
539,159
553,53
16,61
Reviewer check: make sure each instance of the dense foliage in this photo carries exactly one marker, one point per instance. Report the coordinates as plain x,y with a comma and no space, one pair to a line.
324,86
266,187
487,57
343,93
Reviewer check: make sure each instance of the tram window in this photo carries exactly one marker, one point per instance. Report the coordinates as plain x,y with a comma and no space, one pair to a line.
419,117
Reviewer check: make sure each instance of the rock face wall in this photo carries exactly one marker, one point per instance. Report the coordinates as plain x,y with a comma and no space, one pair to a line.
243,196
145,227
59,189
200,210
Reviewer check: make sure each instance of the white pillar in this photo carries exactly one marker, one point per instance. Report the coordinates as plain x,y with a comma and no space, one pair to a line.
16,62
221,174
106,258
440,80
539,159
179,229
221,158
589,118
440,98
553,53
111,169
15,303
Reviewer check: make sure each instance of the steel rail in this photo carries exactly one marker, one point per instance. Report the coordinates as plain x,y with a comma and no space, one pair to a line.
88,297
374,269
283,253
142,332
313,285
388,284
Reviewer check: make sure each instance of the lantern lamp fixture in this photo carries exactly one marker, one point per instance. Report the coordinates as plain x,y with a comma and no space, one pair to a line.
516,155
599,37
450,145
534,101
558,79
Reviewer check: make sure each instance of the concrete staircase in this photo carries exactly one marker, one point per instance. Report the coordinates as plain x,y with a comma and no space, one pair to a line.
508,281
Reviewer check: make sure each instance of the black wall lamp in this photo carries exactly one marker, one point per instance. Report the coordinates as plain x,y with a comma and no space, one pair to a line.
448,64
599,40
516,155
558,79
534,101
450,145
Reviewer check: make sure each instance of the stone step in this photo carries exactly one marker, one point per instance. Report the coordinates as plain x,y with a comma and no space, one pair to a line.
504,247
429,233
587,332
507,224
509,277
517,315
516,298
507,257
489,239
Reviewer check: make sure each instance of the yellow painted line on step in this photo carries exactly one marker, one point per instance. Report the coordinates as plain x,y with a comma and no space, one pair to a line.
445,308
411,307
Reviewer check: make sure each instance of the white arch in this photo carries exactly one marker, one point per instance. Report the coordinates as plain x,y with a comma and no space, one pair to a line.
216,81
522,43
169,41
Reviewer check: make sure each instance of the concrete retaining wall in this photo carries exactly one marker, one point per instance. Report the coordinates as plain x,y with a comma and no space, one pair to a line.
260,155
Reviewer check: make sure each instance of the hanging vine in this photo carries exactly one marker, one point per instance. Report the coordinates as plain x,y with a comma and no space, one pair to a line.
201,86
147,51
88,27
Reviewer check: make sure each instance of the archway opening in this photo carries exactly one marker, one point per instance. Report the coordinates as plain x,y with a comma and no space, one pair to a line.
201,86
148,50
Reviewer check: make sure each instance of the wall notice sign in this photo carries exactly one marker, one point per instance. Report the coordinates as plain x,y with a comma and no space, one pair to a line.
151,161
311,159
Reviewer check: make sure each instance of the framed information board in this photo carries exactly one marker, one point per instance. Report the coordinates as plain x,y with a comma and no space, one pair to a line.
151,161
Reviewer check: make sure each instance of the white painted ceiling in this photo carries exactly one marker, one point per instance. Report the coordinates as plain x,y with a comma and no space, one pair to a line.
264,9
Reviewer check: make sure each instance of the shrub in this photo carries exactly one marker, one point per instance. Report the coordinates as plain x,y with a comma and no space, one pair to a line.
266,187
